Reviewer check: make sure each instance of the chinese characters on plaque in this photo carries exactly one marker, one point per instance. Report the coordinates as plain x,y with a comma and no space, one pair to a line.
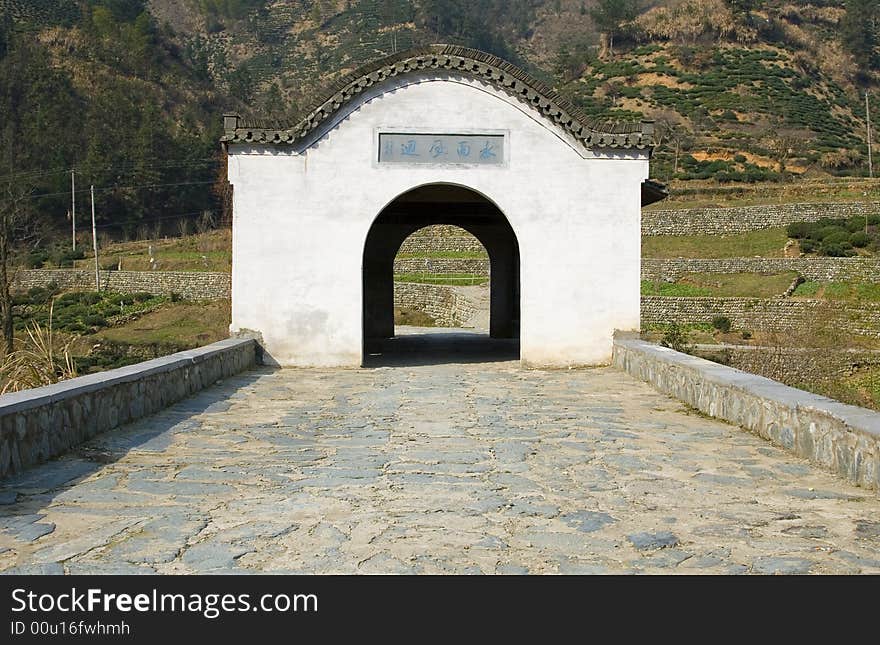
441,148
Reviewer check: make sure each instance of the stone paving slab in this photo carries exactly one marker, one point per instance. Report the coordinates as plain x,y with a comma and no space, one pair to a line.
462,468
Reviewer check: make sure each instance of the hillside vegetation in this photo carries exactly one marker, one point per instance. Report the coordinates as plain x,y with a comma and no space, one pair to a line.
130,93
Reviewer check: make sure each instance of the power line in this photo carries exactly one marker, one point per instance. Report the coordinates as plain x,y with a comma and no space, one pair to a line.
33,174
110,189
149,220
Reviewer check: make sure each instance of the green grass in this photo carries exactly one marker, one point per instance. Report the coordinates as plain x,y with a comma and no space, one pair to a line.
78,312
442,278
764,243
672,289
861,388
211,251
847,291
182,324
722,285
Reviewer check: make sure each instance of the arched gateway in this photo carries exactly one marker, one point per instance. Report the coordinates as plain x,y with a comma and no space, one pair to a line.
440,135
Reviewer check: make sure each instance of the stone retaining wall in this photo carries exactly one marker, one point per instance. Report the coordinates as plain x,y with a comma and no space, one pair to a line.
816,269
41,423
714,221
192,285
476,266
442,303
440,238
842,438
766,314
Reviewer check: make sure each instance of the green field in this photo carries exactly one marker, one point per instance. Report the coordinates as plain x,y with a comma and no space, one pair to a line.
211,251
461,279
767,243
722,285
848,291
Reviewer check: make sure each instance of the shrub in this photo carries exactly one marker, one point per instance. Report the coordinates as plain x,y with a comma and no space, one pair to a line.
721,323
855,224
859,239
824,232
834,250
141,296
808,246
798,230
675,338
95,320
36,258
66,257
840,237
37,296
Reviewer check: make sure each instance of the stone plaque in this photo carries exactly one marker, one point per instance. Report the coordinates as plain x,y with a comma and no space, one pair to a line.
484,149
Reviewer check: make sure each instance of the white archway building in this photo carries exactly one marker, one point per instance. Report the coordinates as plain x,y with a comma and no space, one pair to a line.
437,135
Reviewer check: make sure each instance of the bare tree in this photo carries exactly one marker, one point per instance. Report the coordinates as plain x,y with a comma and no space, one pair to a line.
15,228
784,142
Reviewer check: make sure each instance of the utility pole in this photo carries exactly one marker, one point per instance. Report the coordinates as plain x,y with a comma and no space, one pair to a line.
73,205
95,241
868,121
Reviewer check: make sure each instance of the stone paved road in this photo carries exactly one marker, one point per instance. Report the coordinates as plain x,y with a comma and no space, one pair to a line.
480,468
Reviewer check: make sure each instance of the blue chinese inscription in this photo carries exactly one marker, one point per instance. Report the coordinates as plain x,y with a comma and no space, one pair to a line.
471,149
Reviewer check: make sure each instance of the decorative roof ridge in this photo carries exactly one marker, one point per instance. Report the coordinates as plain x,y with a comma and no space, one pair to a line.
502,74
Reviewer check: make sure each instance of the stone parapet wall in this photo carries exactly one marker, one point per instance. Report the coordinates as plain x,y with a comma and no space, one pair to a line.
44,422
765,314
192,285
841,438
816,269
442,303
791,365
715,221
476,266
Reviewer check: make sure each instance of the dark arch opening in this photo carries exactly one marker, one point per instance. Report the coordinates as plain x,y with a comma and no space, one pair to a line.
426,206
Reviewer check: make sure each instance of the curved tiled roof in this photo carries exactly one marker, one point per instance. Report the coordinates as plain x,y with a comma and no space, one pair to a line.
450,58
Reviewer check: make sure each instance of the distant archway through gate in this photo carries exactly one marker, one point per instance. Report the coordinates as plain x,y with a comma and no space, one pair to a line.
429,205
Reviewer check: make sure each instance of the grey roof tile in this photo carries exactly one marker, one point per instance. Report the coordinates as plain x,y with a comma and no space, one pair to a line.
454,59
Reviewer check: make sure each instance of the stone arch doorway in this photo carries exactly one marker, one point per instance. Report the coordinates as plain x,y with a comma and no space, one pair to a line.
441,204
441,279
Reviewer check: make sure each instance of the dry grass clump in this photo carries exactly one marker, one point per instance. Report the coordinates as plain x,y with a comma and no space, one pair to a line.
40,358
685,21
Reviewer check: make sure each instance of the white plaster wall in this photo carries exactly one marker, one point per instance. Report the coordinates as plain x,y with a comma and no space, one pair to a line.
301,218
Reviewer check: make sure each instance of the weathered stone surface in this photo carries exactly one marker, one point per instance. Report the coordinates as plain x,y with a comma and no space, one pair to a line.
106,400
714,221
839,437
766,314
196,285
245,508
646,541
819,269
781,565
